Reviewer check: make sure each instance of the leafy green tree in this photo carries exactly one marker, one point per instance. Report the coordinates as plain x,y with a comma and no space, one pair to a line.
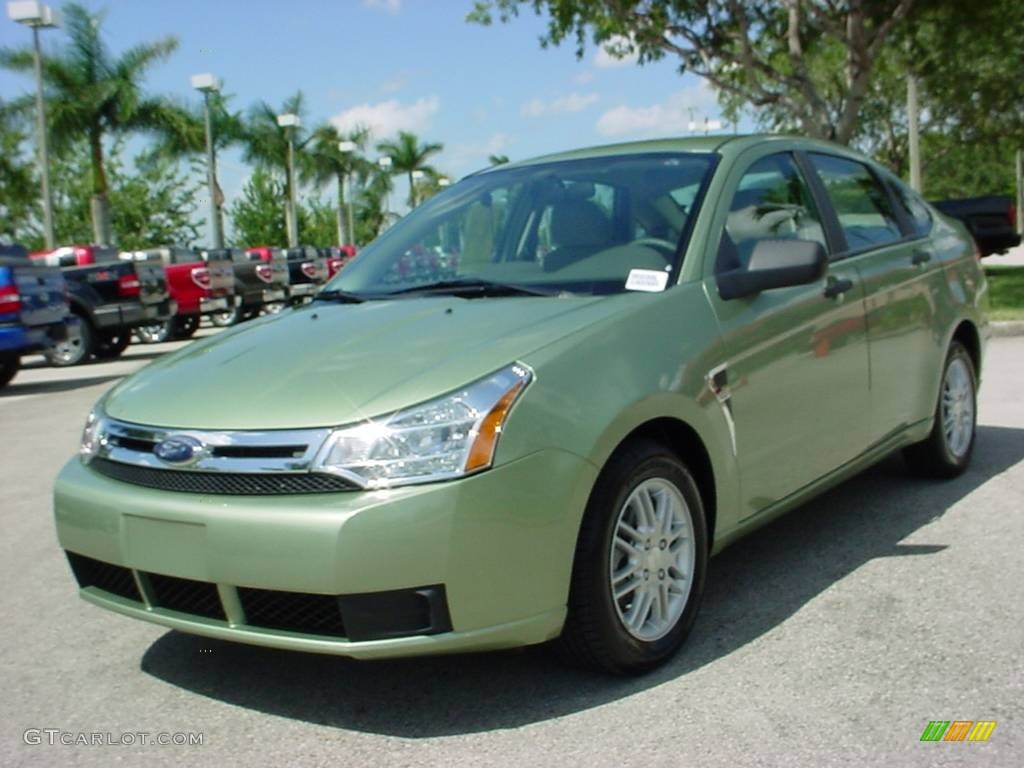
497,159
91,94
407,156
758,52
257,216
19,188
318,222
329,165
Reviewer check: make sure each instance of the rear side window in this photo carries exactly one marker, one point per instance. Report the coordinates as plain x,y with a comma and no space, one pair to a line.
861,202
916,212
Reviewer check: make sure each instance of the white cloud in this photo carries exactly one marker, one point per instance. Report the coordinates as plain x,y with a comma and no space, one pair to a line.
389,6
671,116
584,77
386,118
618,51
574,102
474,154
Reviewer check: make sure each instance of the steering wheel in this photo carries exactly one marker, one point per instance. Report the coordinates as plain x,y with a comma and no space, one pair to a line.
657,242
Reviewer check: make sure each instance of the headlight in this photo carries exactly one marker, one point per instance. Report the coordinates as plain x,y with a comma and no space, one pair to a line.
445,438
92,434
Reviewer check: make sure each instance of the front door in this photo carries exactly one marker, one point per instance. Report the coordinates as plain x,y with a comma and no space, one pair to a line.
796,370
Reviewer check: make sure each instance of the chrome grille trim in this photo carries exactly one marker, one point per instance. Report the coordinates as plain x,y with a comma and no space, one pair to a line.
286,450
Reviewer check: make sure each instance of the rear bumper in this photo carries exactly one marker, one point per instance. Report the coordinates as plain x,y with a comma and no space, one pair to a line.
134,313
208,305
301,291
23,340
499,544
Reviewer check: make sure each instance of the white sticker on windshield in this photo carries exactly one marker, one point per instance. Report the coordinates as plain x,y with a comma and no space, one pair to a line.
650,280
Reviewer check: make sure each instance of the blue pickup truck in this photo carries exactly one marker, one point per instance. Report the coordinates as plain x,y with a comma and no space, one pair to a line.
33,308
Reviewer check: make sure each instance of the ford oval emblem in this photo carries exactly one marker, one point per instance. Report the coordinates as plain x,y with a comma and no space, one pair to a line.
179,449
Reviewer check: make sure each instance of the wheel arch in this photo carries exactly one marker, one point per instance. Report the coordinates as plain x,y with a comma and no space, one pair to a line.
966,332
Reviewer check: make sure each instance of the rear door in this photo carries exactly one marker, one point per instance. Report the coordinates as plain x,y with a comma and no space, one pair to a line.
794,384
902,277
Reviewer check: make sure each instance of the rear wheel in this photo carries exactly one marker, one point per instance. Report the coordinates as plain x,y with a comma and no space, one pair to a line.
641,560
946,452
273,307
112,344
226,317
156,333
185,326
77,348
9,365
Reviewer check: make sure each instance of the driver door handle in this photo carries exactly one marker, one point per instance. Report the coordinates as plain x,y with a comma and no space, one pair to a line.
920,256
837,286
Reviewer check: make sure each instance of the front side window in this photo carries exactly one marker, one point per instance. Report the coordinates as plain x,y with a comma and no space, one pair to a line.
772,201
577,225
861,202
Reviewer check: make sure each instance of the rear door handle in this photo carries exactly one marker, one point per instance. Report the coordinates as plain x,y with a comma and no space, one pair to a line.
920,256
837,286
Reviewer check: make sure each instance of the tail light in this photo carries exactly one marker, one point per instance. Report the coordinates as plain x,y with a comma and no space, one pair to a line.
10,300
128,285
201,277
334,265
1011,214
977,249
265,272
309,269
84,256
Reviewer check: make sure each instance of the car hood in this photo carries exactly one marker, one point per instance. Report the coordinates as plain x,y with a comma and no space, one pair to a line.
332,364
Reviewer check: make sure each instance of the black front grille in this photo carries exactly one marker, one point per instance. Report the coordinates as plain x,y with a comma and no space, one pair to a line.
292,611
186,595
223,483
115,579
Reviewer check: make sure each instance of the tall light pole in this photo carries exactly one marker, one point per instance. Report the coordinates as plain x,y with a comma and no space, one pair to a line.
207,84
347,148
290,122
39,16
415,176
385,164
913,133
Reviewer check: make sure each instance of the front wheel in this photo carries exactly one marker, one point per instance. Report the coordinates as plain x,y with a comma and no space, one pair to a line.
9,364
946,452
641,560
156,333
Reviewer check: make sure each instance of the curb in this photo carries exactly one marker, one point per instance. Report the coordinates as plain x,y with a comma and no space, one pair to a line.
1007,328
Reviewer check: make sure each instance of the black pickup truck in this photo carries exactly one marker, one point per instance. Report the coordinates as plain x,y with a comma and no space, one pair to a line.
260,283
989,219
307,271
33,309
109,296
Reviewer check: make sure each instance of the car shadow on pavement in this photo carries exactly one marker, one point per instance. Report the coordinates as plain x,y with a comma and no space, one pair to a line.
753,587
59,385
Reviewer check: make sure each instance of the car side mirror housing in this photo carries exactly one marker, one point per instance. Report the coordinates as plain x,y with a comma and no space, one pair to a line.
775,264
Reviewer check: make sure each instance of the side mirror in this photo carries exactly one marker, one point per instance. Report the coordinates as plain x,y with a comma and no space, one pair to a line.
775,264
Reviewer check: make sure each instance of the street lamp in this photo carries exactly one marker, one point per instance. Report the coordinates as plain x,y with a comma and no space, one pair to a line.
290,122
207,84
444,181
39,16
385,164
347,148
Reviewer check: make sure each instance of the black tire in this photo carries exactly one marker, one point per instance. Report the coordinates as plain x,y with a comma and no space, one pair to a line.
110,345
185,326
9,365
227,317
76,349
156,333
594,634
936,456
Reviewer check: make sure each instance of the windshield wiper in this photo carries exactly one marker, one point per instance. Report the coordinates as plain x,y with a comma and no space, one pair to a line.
474,287
342,297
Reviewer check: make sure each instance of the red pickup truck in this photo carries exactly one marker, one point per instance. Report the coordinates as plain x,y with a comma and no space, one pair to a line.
200,287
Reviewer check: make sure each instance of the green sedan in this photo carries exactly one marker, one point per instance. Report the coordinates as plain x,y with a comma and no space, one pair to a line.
535,407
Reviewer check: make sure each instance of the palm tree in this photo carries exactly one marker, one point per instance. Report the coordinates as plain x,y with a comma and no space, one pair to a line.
91,94
328,165
407,156
266,142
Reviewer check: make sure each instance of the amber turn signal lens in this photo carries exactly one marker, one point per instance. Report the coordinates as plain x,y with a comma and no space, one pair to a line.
482,452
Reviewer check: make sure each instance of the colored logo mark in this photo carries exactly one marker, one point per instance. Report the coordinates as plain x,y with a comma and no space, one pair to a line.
958,730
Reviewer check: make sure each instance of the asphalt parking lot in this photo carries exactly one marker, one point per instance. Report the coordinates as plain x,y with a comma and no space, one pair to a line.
831,637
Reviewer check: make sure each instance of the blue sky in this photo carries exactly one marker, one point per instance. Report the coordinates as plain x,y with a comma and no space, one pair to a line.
402,64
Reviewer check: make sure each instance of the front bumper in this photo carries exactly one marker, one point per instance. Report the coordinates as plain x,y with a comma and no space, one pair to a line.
500,544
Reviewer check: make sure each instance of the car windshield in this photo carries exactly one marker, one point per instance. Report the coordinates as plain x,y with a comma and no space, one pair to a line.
578,226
